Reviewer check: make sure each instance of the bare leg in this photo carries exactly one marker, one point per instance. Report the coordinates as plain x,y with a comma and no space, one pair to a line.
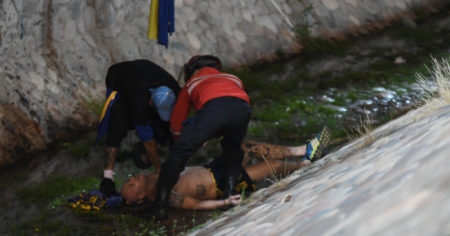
266,151
262,170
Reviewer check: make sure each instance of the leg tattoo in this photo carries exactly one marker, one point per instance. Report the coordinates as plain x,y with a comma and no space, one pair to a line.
254,149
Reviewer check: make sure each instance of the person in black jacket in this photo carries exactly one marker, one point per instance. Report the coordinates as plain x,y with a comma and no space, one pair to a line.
140,95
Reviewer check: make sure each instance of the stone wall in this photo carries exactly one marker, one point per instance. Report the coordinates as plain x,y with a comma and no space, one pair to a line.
54,54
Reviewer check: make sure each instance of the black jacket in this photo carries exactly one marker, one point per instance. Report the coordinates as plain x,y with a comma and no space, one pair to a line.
132,79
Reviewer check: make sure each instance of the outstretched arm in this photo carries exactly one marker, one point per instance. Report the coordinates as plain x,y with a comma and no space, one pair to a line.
178,200
152,153
110,157
107,185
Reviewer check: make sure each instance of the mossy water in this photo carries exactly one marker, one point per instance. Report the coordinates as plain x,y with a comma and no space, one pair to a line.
334,84
338,84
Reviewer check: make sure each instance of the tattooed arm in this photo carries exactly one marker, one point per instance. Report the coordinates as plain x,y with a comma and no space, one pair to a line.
110,157
178,200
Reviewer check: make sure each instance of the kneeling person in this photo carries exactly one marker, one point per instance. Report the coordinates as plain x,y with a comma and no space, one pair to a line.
222,109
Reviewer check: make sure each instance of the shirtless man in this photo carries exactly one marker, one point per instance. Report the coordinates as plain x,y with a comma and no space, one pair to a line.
201,188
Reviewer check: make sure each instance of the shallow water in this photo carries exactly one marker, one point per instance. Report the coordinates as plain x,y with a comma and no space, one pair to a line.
369,78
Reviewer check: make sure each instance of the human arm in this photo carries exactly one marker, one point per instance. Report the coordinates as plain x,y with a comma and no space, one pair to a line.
178,200
180,112
107,185
145,133
152,153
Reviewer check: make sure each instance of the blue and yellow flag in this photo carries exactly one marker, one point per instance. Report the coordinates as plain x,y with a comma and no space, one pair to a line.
152,32
95,200
161,22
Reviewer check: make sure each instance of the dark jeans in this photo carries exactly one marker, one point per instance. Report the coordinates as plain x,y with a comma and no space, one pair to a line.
224,116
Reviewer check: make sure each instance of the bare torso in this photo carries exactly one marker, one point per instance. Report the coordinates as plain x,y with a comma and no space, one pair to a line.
196,182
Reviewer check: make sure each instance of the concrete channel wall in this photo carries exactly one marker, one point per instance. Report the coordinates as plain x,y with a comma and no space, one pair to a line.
54,54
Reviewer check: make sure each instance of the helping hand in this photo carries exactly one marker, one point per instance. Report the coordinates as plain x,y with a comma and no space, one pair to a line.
107,187
234,200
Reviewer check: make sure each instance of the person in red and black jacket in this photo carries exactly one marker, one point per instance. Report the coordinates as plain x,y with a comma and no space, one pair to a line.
222,108
141,96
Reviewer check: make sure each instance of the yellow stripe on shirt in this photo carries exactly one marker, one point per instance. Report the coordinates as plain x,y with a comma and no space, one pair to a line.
105,107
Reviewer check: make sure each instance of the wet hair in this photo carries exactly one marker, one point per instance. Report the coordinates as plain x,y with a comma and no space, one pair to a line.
198,62
126,189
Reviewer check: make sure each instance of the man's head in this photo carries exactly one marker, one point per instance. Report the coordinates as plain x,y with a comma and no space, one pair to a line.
163,98
198,62
139,187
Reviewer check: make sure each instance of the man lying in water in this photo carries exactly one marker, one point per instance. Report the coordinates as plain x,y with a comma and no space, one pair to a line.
201,187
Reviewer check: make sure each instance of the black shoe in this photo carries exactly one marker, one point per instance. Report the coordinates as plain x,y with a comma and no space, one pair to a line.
162,203
230,185
161,212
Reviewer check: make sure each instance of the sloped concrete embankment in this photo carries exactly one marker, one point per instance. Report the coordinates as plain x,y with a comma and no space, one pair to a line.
54,54
394,181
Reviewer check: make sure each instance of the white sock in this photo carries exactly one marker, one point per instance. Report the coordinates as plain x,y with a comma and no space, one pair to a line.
108,174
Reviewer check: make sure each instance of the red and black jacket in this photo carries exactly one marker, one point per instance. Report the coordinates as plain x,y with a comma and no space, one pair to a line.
207,84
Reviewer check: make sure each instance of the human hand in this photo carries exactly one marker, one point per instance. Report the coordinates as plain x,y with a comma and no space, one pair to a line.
233,200
107,187
140,157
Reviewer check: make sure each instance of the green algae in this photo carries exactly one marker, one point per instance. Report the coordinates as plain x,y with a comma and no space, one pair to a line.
79,149
56,187
282,112
94,105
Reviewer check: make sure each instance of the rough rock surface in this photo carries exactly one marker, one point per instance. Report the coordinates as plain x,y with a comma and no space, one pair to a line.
394,181
54,54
